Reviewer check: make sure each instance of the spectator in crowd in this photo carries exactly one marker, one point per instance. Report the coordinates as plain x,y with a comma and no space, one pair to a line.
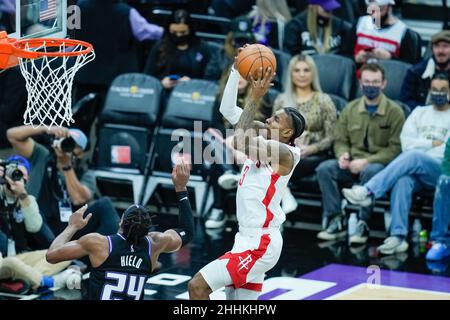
367,138
60,180
20,220
33,268
418,167
303,91
19,212
417,80
440,234
113,28
269,19
220,62
317,30
390,40
226,176
180,55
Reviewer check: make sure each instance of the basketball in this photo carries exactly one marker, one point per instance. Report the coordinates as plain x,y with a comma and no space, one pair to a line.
253,57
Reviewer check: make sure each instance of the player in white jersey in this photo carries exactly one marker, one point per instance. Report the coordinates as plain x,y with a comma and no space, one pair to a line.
271,160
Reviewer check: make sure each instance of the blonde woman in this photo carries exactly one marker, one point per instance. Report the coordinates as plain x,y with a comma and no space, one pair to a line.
269,19
303,92
316,31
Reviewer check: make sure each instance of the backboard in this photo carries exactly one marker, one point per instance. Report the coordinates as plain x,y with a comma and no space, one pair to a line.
40,19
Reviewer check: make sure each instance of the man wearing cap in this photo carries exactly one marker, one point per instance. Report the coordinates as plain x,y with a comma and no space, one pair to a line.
317,30
20,222
59,181
417,81
384,37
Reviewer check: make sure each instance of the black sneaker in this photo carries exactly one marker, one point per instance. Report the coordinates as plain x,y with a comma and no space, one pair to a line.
337,228
362,233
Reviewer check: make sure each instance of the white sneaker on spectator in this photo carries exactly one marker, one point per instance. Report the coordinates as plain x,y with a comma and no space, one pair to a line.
393,245
70,278
358,195
289,203
216,219
229,180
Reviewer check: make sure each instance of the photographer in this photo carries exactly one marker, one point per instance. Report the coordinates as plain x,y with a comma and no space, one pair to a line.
20,222
59,181
19,212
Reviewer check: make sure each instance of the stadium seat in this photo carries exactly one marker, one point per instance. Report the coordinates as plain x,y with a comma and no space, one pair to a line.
127,125
283,59
340,81
339,102
190,111
395,71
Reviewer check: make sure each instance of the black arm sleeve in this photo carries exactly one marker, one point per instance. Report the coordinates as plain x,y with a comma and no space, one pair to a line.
185,218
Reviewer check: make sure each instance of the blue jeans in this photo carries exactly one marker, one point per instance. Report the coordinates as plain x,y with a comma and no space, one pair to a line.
441,214
407,174
329,176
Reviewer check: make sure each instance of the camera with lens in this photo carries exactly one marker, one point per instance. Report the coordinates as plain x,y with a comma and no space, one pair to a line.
67,145
12,171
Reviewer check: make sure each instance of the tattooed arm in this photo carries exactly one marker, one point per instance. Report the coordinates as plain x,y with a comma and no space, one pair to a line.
247,139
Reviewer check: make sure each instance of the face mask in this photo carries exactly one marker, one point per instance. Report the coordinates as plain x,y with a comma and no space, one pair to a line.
371,92
322,21
439,99
179,40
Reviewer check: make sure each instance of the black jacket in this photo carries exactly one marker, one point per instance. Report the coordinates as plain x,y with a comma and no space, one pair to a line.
415,89
191,62
107,27
297,37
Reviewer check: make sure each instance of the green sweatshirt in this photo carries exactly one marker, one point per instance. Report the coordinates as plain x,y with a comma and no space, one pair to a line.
446,161
375,138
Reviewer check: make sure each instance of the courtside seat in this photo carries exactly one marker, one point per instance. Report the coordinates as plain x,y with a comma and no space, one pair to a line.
126,129
339,82
190,111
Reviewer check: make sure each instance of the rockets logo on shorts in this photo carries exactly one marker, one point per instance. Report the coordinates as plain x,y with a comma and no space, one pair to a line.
244,263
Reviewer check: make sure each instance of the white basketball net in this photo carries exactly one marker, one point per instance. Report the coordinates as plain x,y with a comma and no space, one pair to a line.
49,83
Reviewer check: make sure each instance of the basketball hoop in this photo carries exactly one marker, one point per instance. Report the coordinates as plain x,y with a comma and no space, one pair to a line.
49,67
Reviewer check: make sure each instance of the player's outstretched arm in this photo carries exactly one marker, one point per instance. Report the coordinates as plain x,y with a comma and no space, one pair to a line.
173,239
62,249
228,107
247,138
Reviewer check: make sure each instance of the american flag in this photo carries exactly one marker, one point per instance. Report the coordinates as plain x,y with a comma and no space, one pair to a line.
47,10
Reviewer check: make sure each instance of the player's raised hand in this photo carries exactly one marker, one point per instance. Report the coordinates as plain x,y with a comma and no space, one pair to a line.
262,83
77,221
180,176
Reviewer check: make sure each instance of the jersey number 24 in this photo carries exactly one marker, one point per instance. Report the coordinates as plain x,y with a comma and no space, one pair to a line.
126,284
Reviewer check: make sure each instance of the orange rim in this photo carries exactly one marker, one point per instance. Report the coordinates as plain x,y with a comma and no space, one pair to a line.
22,48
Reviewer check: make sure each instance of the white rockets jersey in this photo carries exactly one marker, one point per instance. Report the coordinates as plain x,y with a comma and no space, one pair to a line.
259,194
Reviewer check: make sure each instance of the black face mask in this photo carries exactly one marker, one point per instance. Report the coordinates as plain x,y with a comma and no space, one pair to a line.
179,40
322,21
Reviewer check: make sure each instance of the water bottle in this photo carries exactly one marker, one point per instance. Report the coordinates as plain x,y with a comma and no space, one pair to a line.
423,236
352,222
417,227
